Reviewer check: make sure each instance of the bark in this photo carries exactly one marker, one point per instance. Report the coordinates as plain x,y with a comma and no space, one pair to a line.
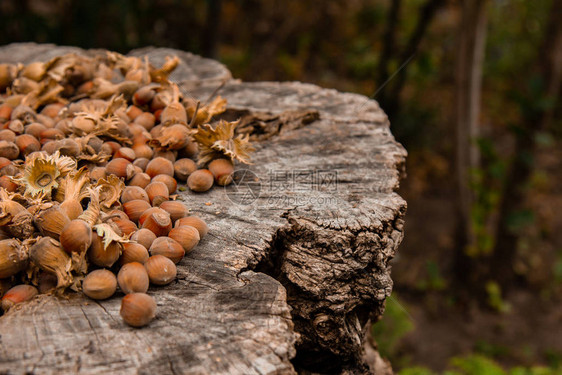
286,279
549,60
427,13
472,40
389,40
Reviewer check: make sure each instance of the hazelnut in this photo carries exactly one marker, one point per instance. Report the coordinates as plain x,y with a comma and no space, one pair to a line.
133,278
161,270
99,284
138,309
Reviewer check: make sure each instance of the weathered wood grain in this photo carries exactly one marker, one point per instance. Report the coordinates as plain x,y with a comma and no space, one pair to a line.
285,281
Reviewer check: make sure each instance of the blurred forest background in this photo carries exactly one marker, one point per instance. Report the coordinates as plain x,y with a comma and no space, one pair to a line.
472,90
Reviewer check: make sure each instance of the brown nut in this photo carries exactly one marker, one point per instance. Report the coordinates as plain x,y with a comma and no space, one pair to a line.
134,252
135,208
167,180
144,237
176,209
76,236
103,257
127,226
195,222
186,235
133,278
132,193
222,170
158,165
169,248
125,153
159,223
183,168
121,168
200,181
99,284
161,270
138,309
18,294
157,189
140,179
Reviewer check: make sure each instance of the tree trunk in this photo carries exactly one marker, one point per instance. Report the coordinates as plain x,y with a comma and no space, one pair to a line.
392,97
296,262
387,52
549,60
470,57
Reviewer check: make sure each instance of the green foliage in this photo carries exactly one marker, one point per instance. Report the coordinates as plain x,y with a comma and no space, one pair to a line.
476,364
495,299
435,280
485,183
395,324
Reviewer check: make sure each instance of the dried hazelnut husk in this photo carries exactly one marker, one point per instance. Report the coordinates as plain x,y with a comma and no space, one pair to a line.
195,222
161,270
190,150
134,252
133,278
186,235
183,168
131,193
200,181
138,309
121,168
135,208
18,294
13,258
140,179
174,137
168,180
159,165
76,236
99,284
103,257
222,170
169,248
174,112
46,282
159,223
51,221
48,255
176,209
157,189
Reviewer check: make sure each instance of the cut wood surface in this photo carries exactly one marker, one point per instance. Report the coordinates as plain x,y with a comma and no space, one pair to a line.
296,262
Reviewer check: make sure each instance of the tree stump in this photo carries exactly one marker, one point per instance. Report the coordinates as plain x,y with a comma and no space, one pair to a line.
296,263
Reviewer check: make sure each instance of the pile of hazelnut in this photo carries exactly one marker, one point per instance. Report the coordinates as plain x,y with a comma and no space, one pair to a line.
92,149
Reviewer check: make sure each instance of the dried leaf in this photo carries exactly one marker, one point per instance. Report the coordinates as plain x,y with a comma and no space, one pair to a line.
220,142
